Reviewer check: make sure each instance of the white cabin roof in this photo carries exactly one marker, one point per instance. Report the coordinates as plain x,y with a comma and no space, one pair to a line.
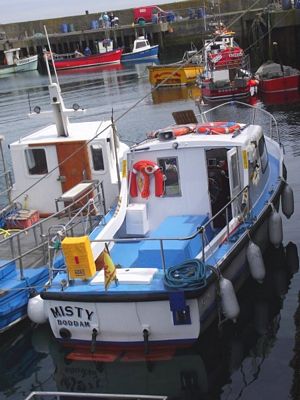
249,133
12,50
77,131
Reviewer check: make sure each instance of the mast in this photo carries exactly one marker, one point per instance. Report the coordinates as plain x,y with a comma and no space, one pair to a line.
59,110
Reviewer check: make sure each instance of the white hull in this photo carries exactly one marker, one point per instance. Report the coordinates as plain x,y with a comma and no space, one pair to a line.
122,323
23,65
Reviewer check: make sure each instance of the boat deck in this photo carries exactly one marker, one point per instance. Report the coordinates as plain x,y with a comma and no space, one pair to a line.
139,275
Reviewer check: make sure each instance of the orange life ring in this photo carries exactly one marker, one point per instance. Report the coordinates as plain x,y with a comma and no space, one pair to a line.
146,168
178,130
218,128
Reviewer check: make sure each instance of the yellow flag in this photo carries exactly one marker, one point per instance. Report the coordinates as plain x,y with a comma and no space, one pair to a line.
109,269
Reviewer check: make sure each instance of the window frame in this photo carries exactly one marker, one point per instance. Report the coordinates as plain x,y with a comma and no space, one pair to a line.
92,150
161,160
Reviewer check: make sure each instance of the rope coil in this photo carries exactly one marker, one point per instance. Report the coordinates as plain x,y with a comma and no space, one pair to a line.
189,275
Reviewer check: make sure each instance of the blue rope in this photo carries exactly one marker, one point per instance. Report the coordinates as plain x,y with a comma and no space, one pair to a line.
8,214
189,275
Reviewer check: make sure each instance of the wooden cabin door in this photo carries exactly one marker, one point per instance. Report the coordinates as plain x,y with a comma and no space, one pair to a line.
74,166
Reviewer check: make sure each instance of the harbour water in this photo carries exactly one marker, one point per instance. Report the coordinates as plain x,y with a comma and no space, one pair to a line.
256,358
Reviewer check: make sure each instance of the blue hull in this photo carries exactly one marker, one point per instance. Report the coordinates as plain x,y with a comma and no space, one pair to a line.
151,53
16,291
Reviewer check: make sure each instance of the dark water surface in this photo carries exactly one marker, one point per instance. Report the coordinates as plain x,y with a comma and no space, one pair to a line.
258,358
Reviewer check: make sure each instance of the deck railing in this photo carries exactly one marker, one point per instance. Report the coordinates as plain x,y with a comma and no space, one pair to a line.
99,396
270,126
201,230
30,246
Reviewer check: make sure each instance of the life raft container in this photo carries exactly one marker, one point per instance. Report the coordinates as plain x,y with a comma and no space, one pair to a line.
146,168
177,130
218,128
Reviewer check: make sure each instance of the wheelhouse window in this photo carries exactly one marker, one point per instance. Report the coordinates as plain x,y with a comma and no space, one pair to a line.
36,161
97,157
263,153
142,44
235,171
169,167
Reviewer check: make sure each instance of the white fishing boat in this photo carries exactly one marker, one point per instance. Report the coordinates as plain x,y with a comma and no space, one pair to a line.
198,204
64,170
142,50
14,63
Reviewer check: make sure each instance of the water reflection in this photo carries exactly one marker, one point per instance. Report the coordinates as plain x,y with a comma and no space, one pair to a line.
280,98
163,95
94,69
295,362
19,360
203,371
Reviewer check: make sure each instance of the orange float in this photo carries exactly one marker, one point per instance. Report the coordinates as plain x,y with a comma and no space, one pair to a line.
218,128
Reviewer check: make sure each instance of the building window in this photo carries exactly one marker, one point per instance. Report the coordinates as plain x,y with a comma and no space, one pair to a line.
170,170
97,156
36,161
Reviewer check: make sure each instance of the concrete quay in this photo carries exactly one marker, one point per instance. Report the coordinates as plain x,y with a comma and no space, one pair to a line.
250,28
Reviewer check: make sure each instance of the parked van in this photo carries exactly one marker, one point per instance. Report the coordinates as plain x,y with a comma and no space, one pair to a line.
152,14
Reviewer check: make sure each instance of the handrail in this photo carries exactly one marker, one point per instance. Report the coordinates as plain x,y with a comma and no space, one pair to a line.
246,105
99,396
8,184
200,230
54,215
36,232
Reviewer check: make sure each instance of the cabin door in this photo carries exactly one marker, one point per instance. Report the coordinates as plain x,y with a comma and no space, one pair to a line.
234,179
73,162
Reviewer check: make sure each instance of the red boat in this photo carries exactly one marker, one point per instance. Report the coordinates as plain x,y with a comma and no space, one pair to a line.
224,89
227,73
276,78
287,97
224,58
71,62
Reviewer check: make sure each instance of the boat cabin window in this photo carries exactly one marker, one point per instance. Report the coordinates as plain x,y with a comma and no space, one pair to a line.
263,153
97,156
36,161
169,168
235,172
142,44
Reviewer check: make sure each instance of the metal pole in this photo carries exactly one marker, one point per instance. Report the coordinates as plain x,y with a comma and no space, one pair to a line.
270,36
115,139
203,244
162,255
227,224
204,15
20,257
5,171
